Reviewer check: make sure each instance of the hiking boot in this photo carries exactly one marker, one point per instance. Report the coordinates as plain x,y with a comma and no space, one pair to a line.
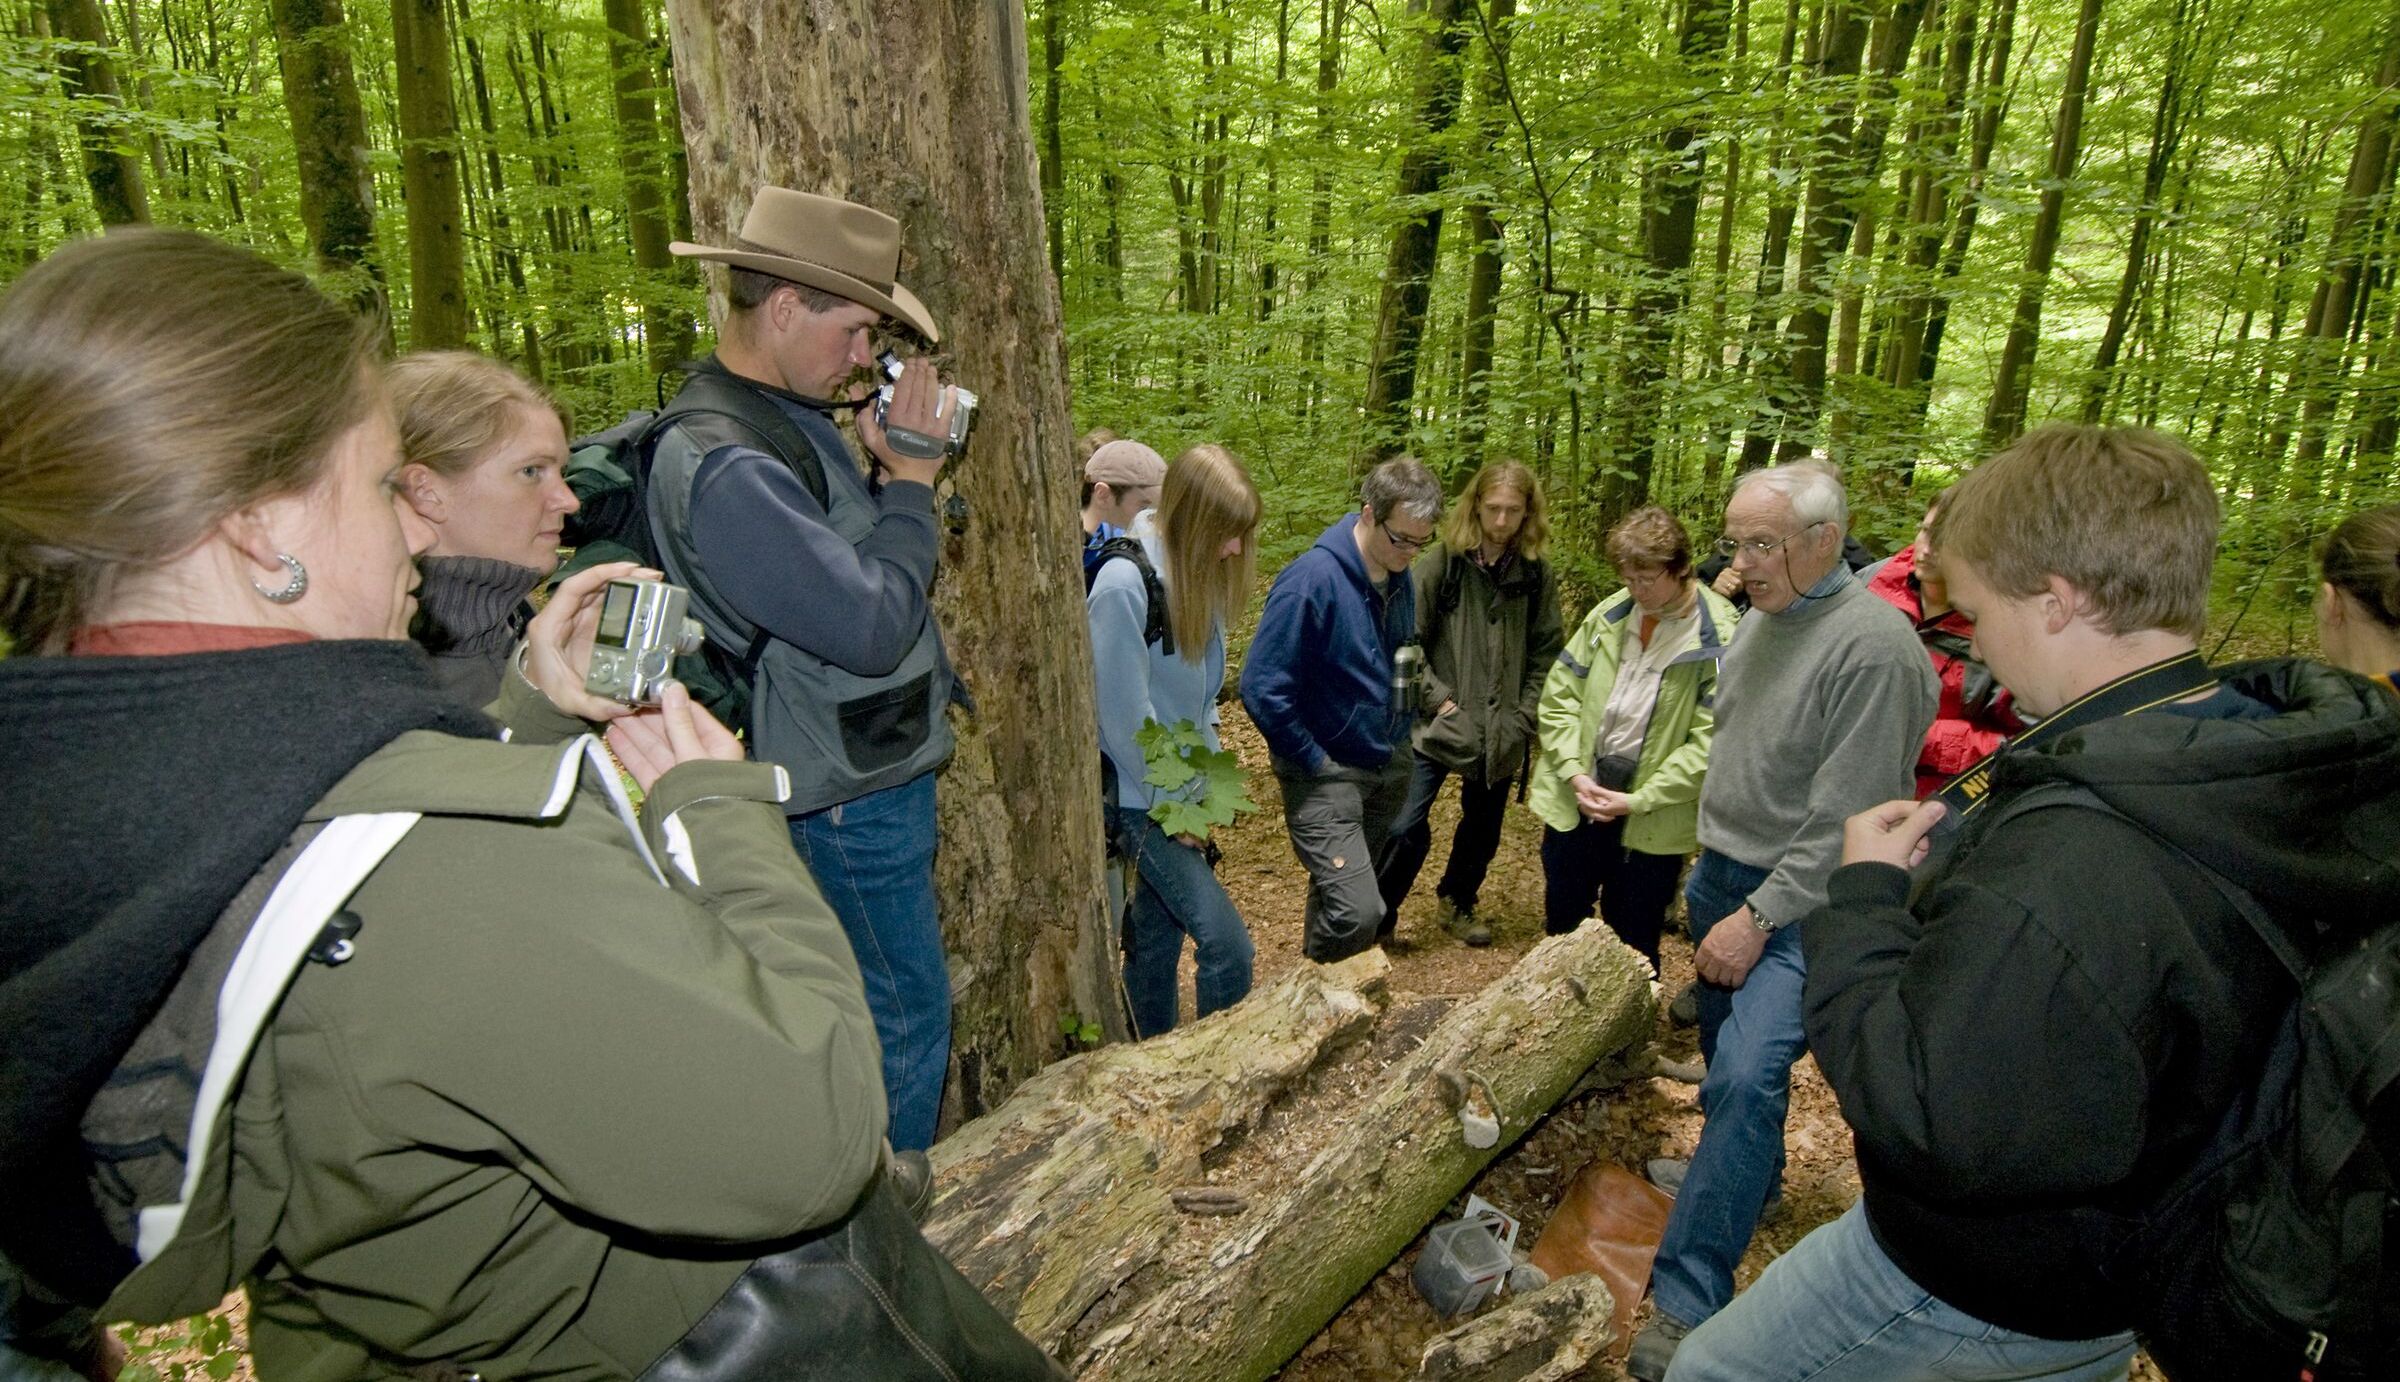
1685,1010
1461,922
1654,1348
1667,1173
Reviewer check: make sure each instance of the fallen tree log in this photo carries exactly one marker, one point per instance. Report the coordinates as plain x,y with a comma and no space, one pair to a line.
1061,1203
1054,1199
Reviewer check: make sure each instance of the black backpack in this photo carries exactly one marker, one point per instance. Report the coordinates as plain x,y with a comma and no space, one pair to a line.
2274,1257
1154,594
609,472
1155,632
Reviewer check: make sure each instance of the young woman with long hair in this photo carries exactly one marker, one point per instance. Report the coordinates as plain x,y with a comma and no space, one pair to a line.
1201,547
1487,617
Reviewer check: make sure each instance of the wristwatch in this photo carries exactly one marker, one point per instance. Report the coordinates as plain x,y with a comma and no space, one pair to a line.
1759,920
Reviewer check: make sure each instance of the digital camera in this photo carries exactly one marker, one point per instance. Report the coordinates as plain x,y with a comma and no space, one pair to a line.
913,443
644,627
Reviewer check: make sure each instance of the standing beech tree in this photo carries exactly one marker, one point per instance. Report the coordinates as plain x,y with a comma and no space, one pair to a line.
812,94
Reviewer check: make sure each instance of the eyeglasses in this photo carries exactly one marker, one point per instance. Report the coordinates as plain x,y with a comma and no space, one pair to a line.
1728,547
1405,544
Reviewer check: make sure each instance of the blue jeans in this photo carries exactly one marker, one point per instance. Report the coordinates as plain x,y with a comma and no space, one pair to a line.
1750,1037
1177,894
873,857
1835,1309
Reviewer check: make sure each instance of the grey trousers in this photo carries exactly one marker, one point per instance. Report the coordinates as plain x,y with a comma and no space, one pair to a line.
1339,820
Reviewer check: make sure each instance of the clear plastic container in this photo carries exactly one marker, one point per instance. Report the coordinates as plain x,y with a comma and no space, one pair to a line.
1462,1265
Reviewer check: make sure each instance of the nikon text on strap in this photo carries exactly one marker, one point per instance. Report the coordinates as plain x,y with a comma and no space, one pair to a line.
2131,694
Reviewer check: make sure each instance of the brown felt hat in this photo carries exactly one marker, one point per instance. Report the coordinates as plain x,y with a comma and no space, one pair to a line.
827,243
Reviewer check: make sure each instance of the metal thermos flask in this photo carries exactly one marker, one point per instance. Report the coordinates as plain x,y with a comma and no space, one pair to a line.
1408,669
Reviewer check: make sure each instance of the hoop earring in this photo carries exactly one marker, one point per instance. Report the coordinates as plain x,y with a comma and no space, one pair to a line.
291,589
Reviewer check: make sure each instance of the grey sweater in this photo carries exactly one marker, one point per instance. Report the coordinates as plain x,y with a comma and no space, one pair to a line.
1820,712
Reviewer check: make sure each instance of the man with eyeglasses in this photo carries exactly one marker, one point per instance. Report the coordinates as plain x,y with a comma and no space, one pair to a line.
1822,703
1318,682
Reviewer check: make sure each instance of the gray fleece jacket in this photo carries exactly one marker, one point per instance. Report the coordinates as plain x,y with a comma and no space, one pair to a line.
1820,713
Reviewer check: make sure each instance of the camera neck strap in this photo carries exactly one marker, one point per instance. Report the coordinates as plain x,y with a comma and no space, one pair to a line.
2186,674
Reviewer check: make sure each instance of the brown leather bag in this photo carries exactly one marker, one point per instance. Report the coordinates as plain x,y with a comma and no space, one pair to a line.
1609,1224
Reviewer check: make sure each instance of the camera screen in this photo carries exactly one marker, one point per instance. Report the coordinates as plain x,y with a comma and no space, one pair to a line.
616,614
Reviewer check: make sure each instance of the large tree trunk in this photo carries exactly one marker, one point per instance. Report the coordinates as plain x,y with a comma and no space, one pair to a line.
2005,418
110,165
666,330
1408,267
1064,1205
329,134
437,246
1670,213
802,93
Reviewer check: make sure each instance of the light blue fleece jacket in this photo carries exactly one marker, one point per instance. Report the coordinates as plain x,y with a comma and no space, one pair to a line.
1137,682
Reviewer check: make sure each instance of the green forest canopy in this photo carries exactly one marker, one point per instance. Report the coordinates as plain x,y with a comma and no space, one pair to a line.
1324,230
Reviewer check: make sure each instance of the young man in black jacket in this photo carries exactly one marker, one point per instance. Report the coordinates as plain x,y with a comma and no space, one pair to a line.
2039,1035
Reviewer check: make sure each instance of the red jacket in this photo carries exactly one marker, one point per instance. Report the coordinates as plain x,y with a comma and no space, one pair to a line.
1961,735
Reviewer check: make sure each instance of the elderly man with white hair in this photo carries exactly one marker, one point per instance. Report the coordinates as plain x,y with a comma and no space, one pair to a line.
1822,703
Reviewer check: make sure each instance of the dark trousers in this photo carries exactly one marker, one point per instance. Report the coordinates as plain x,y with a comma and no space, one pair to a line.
1480,809
1590,864
1339,819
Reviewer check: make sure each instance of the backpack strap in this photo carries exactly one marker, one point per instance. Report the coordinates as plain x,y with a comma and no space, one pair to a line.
1155,628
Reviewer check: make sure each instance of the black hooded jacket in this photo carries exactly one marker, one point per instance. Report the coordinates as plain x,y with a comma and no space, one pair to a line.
2056,1027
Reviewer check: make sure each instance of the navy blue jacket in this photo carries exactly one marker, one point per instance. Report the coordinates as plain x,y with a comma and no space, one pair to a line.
1318,677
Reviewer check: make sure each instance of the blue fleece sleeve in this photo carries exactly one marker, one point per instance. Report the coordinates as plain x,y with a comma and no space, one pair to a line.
1116,610
771,553
1271,681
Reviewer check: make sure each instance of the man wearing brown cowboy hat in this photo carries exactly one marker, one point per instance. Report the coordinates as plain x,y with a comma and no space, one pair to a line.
790,552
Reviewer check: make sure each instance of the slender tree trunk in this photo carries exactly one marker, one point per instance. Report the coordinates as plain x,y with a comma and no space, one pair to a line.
437,249
2006,416
1330,17
1928,213
1842,176
329,135
505,248
110,167
2318,373
1992,109
1487,247
1670,209
667,330
1054,56
2166,131
1408,267
1019,868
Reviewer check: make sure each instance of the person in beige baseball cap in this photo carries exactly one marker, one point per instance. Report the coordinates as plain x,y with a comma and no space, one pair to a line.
1122,478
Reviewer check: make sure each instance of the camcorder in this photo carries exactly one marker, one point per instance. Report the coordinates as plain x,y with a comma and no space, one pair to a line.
909,442
644,627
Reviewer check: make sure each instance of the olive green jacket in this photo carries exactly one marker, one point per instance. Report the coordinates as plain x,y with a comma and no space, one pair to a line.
1488,653
576,1072
1666,786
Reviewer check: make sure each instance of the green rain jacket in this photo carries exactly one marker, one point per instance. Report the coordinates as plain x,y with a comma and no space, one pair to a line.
582,1067
1666,786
